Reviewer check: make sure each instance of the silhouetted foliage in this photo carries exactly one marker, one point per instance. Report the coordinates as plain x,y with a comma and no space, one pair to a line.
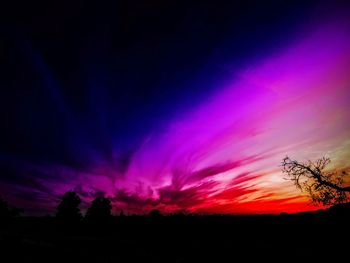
100,209
323,186
68,209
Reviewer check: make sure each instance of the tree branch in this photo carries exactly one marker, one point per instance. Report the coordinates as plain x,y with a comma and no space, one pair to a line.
319,179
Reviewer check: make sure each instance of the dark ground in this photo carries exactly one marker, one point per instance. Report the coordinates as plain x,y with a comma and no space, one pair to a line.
306,236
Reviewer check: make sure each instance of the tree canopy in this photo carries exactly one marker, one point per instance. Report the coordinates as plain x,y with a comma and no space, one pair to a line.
100,209
68,209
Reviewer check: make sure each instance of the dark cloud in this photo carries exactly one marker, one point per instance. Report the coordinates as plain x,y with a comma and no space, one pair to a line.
133,202
243,178
233,193
188,197
222,167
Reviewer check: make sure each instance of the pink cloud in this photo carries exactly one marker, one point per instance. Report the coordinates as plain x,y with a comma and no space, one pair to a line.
295,102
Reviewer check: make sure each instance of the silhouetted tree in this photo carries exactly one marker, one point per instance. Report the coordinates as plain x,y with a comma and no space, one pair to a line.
323,186
100,209
68,209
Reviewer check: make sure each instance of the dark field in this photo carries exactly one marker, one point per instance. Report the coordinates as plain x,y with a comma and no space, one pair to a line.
311,236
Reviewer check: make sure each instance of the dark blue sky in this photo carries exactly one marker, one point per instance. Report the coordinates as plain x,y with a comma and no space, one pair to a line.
81,80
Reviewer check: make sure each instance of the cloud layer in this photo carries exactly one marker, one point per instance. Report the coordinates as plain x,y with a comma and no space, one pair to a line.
224,155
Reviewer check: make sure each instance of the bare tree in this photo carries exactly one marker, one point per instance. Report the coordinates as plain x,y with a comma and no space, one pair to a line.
324,186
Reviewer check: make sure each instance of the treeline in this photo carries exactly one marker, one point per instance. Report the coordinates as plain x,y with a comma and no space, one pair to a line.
100,210
68,209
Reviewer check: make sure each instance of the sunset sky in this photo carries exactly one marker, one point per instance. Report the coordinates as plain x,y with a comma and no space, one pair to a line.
171,106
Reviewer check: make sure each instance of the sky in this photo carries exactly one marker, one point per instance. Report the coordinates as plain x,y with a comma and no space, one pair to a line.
180,107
